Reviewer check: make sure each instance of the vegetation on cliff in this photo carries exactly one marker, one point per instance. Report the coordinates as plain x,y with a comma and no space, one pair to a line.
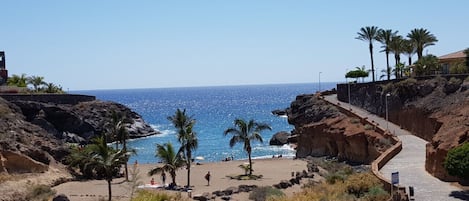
457,161
37,82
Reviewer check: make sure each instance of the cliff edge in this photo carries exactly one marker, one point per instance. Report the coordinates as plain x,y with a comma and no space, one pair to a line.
322,130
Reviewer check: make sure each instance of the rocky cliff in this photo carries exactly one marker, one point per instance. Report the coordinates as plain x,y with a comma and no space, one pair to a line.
80,122
321,130
436,110
35,133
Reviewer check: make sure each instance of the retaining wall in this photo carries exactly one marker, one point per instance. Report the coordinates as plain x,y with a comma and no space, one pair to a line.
71,99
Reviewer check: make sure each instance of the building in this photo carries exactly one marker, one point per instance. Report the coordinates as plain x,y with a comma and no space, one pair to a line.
3,70
454,63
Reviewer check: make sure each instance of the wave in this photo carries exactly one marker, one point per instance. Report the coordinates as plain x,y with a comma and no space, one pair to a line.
285,147
163,132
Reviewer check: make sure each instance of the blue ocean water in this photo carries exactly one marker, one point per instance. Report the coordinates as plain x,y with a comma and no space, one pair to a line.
214,109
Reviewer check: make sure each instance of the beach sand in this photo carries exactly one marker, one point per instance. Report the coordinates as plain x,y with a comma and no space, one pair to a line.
273,170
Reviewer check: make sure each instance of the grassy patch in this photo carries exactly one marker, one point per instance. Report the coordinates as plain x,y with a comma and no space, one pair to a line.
147,195
264,193
40,193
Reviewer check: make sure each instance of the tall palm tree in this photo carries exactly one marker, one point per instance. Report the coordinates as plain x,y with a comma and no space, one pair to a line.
409,49
171,160
186,136
396,46
120,134
106,159
385,37
369,34
36,81
421,38
245,132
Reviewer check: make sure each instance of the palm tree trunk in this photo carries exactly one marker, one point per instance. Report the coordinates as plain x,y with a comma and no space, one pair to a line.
372,64
189,160
387,65
109,188
173,176
124,147
410,60
250,161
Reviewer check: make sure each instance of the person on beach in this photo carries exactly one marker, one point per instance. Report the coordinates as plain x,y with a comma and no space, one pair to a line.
152,182
163,177
207,177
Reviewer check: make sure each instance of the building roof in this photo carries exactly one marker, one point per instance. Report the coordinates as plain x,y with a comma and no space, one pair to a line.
454,55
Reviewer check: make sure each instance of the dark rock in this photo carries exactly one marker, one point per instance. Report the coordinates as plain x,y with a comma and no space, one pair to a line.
226,197
294,181
219,193
279,138
232,189
60,197
284,184
277,186
280,112
203,197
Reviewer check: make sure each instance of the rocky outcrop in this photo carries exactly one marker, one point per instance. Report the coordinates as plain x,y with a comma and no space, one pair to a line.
279,138
322,130
83,121
25,147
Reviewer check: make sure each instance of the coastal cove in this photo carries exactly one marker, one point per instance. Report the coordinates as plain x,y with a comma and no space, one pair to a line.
214,108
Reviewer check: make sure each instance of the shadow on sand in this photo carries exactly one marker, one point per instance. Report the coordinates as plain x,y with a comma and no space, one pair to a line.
462,195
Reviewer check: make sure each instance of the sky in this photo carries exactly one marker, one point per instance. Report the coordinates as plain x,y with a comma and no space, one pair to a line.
87,44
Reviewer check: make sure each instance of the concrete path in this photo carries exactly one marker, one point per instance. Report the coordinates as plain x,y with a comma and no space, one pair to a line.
410,162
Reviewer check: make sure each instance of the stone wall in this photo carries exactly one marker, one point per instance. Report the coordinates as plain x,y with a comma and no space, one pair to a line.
71,99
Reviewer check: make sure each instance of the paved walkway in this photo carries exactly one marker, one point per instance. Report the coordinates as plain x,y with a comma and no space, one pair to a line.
410,162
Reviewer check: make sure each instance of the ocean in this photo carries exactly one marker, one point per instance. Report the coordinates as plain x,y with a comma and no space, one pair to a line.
214,109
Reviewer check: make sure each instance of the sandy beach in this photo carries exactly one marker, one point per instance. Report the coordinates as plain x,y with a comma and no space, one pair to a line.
273,170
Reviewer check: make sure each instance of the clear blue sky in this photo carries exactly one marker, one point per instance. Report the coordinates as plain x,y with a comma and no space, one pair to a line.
148,44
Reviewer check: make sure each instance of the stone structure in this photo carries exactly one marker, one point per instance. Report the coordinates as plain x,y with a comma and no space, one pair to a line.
3,70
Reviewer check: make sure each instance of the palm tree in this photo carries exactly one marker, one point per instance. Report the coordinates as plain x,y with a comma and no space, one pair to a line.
369,34
385,37
186,136
170,159
120,134
396,46
36,81
52,88
421,39
106,159
16,80
245,132
409,49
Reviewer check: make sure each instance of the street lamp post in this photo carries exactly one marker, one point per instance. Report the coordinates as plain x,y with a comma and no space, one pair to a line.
387,113
319,83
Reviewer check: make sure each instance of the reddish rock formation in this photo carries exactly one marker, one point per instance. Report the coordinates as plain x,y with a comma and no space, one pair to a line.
322,130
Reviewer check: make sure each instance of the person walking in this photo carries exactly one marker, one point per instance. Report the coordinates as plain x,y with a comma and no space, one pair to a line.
163,178
207,177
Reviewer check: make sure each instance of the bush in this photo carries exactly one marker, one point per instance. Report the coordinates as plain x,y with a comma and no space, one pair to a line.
265,192
355,120
358,184
376,193
40,193
369,127
145,195
457,161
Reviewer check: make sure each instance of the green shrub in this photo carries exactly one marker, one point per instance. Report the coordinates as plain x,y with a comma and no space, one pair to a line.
369,127
358,184
455,81
40,193
355,120
457,161
265,192
335,177
376,193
